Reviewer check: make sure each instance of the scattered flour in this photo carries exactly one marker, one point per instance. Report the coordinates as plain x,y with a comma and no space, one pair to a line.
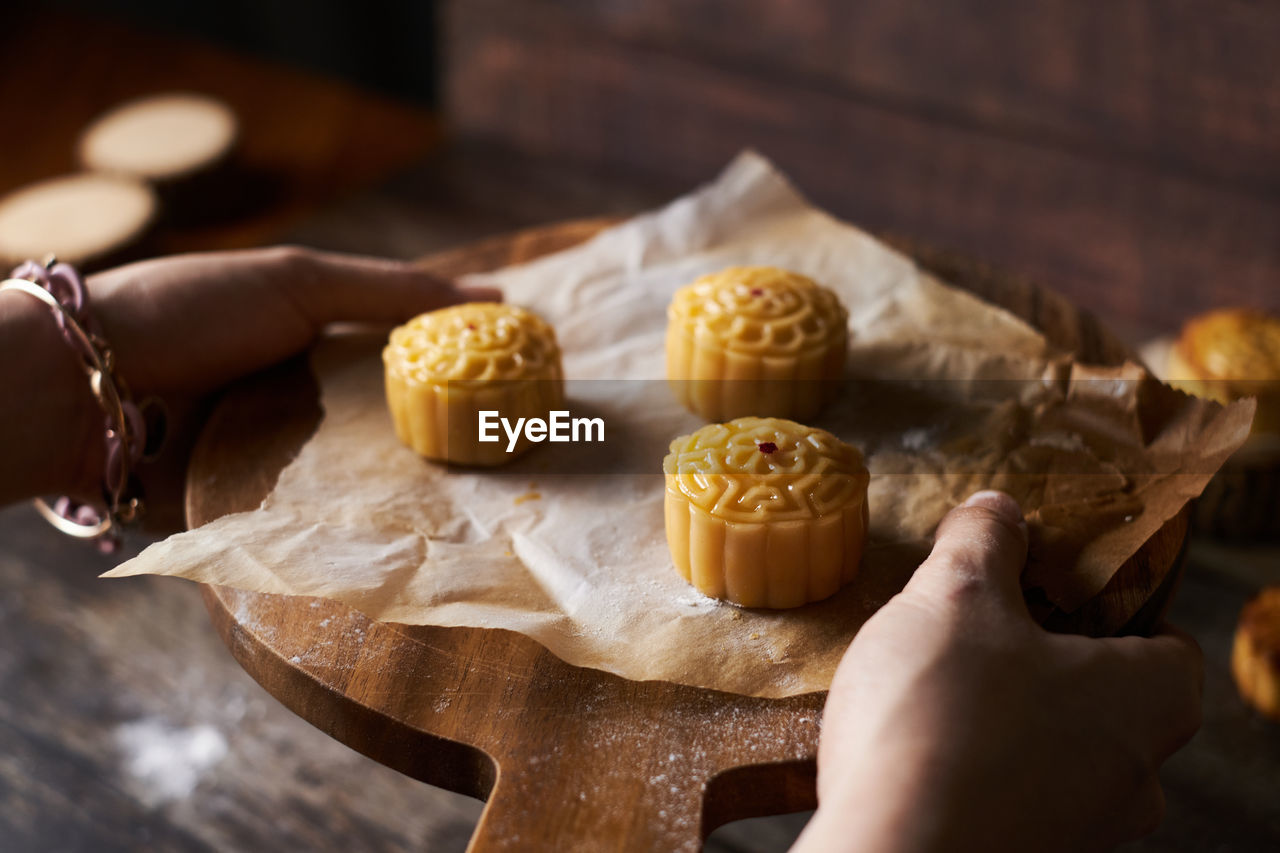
163,763
697,601
918,438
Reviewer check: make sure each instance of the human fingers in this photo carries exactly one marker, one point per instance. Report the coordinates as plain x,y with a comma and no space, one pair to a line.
194,322
1171,634
1160,682
335,288
1140,815
979,550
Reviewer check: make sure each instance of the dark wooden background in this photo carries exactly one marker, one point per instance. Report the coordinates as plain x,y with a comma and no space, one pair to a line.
1125,152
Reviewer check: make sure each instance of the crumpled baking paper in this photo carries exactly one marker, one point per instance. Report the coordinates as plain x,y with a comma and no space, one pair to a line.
948,394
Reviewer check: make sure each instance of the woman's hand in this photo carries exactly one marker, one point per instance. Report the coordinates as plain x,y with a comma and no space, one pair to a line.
192,323
956,723
180,327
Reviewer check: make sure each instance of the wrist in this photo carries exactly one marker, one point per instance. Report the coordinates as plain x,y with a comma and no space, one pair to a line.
917,796
876,807
51,433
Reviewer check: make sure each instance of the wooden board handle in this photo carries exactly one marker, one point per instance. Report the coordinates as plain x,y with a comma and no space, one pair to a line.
584,803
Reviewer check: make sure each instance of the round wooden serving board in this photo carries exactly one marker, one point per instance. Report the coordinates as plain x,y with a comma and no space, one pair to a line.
568,758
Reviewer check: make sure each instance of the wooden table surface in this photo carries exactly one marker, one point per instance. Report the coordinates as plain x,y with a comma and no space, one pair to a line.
306,141
97,678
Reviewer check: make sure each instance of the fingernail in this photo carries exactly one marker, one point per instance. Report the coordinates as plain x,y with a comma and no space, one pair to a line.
998,502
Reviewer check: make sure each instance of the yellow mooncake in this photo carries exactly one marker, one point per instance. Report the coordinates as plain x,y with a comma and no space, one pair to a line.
445,367
755,341
1228,354
1255,654
1224,355
765,512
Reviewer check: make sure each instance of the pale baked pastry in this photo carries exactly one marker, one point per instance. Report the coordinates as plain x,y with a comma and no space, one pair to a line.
755,341
1228,354
1225,355
445,367
1255,656
765,512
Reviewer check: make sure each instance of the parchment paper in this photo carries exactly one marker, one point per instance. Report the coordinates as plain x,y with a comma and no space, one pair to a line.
949,395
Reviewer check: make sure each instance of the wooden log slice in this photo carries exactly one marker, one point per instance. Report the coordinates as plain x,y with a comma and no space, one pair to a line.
85,219
162,138
183,145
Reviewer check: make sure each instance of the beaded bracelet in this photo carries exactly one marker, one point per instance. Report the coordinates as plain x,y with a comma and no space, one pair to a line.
61,288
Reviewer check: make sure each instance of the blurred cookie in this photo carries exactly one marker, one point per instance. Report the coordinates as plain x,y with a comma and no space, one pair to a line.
1255,656
1228,354
1225,355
